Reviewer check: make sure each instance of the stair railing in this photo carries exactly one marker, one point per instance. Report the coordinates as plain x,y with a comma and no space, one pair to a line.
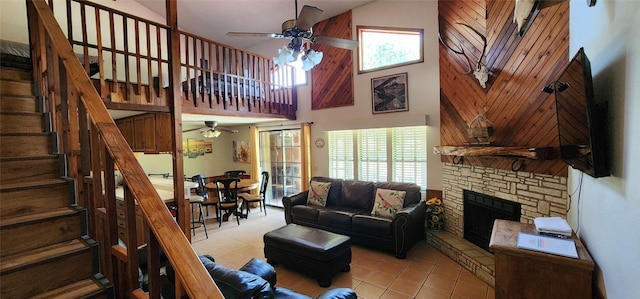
94,147
131,55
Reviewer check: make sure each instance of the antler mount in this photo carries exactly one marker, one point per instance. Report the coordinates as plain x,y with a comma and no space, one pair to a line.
480,70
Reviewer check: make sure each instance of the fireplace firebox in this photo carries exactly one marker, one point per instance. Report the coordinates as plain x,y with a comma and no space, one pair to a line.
480,211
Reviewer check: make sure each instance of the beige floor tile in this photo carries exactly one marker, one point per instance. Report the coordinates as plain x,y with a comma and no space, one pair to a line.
390,268
390,294
425,273
367,262
407,287
423,266
445,271
413,275
368,291
427,292
360,272
469,290
380,278
439,283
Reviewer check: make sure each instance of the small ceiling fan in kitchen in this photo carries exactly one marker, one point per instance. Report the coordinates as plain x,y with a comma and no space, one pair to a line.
300,33
211,129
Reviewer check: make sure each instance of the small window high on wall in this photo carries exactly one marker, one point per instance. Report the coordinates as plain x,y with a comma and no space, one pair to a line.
383,47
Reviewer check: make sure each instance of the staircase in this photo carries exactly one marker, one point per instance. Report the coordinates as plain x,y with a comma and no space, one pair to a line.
44,248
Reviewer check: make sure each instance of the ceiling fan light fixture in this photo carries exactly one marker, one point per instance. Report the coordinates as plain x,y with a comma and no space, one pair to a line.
311,59
285,55
210,133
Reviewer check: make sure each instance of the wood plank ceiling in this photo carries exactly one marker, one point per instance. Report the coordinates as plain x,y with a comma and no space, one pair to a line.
519,67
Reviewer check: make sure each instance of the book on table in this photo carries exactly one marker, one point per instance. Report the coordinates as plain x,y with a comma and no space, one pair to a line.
553,226
563,247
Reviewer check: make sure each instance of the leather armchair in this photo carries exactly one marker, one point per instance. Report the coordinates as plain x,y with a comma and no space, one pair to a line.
256,279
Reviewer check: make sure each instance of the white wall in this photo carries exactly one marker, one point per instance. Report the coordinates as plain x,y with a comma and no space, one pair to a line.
606,211
424,84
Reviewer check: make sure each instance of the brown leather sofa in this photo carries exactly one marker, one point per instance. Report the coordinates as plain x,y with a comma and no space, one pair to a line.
348,212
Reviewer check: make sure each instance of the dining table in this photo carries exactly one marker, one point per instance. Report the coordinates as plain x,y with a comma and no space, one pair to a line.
244,185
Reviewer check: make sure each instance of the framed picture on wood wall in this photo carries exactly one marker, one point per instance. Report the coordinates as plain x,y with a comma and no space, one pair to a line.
390,93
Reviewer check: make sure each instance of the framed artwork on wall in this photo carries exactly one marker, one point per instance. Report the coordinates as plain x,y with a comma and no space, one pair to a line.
241,151
390,93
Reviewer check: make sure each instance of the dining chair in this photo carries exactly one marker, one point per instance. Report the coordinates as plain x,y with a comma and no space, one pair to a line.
234,173
248,198
196,200
227,190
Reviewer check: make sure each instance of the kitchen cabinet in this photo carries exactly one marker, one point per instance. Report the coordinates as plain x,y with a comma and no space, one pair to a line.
149,132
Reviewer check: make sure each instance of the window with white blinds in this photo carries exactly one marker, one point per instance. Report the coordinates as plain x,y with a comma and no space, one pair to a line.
393,154
341,154
409,155
372,155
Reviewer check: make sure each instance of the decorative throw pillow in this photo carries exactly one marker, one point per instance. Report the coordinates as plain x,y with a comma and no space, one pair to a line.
318,192
388,202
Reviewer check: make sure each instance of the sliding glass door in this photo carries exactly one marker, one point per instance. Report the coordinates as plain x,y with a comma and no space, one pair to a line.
280,155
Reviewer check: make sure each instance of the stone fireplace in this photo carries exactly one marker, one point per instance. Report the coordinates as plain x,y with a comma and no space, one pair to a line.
480,211
536,194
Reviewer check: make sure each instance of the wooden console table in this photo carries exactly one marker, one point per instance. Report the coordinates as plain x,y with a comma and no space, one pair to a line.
522,273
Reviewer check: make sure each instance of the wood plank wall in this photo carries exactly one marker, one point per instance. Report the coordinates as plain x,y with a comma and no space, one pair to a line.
332,79
519,67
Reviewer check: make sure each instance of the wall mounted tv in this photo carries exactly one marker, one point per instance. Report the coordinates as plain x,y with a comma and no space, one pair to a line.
581,120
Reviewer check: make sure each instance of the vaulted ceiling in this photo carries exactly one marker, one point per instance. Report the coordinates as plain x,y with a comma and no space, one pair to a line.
214,18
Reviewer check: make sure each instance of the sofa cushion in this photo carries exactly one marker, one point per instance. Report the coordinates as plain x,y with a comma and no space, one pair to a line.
334,192
371,225
357,194
388,202
413,195
309,212
335,218
318,193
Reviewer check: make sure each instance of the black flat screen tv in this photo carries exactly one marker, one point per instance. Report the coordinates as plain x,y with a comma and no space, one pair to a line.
581,119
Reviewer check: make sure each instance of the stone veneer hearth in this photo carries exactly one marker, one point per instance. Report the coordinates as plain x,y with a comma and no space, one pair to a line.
538,194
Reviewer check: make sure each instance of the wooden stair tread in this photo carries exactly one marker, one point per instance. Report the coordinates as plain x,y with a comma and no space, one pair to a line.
19,260
43,157
33,184
26,134
80,289
8,221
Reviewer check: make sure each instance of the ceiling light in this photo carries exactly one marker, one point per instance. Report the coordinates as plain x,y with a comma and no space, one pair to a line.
289,53
210,133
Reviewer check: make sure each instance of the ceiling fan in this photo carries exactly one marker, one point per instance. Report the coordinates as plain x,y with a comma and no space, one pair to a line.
211,129
300,33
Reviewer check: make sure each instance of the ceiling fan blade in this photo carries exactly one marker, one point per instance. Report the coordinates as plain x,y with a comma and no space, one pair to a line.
228,130
191,130
309,15
336,42
254,34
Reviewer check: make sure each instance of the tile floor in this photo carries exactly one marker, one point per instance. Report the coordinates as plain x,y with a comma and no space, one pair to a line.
425,273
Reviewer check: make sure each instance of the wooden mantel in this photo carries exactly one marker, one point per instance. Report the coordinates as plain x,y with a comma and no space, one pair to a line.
534,153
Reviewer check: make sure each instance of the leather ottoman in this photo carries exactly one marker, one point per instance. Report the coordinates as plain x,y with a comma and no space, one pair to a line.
311,251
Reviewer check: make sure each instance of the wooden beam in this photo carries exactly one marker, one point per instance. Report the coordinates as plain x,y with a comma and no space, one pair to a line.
502,151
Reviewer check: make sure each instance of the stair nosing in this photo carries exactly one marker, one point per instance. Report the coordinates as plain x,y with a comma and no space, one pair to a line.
90,285
31,184
9,222
35,97
40,114
19,158
40,255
